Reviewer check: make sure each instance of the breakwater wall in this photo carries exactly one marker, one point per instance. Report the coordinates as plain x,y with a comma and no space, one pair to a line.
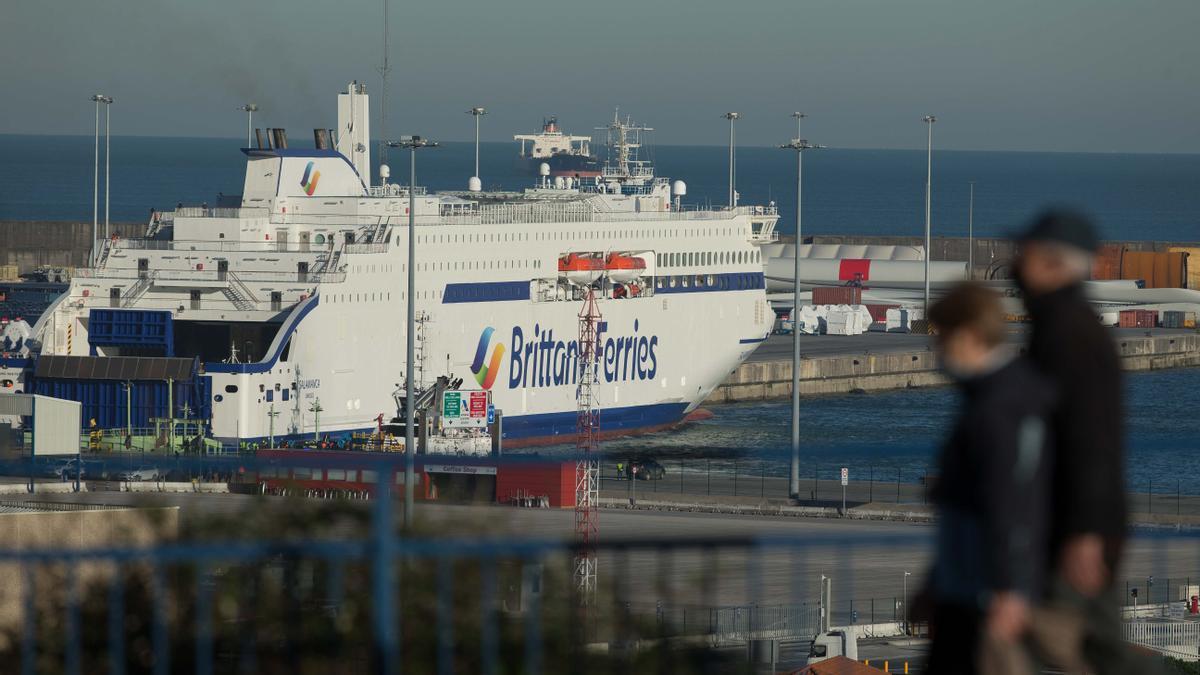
30,244
844,373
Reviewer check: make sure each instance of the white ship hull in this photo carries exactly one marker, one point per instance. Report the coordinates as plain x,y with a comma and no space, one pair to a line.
308,282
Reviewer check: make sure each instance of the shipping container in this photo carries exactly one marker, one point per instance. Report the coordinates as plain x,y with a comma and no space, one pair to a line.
1178,319
1106,265
1193,266
836,295
1138,318
555,481
879,312
1156,269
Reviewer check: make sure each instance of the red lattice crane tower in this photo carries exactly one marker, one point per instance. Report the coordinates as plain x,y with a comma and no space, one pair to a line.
587,444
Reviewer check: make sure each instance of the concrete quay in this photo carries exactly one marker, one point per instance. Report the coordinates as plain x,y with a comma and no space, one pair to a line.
834,364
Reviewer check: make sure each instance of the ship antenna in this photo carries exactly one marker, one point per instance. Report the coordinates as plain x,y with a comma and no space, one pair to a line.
384,68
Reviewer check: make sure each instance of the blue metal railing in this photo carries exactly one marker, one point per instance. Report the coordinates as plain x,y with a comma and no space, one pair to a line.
163,607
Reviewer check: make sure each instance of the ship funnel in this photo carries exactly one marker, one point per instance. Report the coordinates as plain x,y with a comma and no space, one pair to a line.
263,143
321,139
279,137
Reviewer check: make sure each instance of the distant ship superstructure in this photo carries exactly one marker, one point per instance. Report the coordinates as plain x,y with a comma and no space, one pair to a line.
566,155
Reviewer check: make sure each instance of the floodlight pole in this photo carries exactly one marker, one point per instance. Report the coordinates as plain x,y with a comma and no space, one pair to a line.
971,233
97,99
249,109
477,112
799,145
732,117
413,143
107,158
929,120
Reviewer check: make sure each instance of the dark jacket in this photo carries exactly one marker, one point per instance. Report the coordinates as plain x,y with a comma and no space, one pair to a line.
993,487
1071,347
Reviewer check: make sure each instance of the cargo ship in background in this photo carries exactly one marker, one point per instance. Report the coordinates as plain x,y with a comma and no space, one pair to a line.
566,155
283,317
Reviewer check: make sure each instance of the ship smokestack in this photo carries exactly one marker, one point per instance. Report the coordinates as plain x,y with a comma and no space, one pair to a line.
263,143
321,139
280,136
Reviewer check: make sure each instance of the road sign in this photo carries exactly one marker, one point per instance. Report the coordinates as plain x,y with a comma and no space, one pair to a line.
845,476
465,409
491,414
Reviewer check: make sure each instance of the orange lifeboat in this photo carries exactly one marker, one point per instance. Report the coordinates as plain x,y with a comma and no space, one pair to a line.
581,268
623,268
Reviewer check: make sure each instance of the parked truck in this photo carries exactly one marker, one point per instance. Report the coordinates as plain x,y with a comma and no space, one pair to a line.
833,643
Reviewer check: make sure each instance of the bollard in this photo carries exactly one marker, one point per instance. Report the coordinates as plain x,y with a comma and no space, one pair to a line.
906,668
885,667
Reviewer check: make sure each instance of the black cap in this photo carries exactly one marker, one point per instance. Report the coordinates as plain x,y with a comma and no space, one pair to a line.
1062,227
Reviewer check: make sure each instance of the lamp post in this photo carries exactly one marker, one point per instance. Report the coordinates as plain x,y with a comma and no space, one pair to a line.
732,117
907,574
97,99
249,109
929,120
799,145
413,143
477,112
971,233
107,157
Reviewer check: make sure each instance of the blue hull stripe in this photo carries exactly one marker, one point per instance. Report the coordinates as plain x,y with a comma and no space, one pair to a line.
504,291
750,341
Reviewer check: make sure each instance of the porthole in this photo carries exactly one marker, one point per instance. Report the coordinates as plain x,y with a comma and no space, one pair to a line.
218,398
231,389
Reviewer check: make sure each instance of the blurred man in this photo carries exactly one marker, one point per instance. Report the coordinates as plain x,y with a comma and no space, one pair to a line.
1070,347
992,493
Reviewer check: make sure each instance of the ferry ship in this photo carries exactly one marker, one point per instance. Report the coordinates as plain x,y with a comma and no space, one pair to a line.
284,317
566,155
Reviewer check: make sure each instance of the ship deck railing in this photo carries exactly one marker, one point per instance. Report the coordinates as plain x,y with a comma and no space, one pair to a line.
393,190
221,212
141,244
585,209
208,276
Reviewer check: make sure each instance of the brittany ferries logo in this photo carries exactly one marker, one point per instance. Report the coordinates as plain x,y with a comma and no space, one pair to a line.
309,180
538,360
485,375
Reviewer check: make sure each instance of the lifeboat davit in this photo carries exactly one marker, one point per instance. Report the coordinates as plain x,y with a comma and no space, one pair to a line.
581,269
623,268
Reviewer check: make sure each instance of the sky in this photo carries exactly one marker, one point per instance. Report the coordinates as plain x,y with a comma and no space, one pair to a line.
1067,75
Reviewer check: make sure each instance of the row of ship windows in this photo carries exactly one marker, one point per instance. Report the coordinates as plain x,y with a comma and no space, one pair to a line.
736,282
335,298
682,259
360,297
447,266
572,235
708,258
484,238
567,235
